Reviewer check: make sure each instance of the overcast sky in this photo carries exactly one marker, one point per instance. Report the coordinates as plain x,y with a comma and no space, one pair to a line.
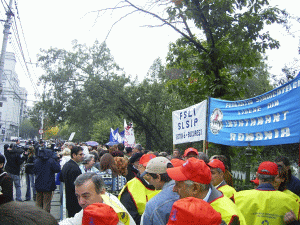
56,23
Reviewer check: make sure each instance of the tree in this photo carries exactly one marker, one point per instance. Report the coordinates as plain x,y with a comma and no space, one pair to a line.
85,87
27,130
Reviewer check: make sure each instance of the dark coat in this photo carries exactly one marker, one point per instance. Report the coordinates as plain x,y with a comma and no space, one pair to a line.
45,167
29,166
6,187
69,173
14,159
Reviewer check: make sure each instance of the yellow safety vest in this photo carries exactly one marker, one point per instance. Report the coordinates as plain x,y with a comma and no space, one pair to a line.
227,190
140,194
265,207
122,214
287,191
228,210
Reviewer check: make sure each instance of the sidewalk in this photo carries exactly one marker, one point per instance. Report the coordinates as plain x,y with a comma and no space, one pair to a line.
55,203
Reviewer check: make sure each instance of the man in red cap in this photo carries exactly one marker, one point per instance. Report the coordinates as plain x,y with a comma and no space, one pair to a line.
189,153
193,178
194,211
265,205
217,169
137,192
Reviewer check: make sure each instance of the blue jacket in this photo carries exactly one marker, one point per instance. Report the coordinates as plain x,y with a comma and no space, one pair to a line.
294,185
158,209
45,167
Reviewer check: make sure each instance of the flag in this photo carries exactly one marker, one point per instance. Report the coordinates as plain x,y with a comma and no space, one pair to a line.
129,139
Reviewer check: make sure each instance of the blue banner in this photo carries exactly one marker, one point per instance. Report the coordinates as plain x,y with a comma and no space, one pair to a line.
269,119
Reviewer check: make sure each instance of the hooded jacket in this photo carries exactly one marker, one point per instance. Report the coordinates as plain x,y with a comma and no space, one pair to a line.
45,167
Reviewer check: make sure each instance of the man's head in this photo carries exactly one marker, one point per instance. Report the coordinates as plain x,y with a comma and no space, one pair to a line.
176,153
128,151
18,142
217,169
77,154
190,152
283,161
192,179
88,188
137,148
267,171
156,172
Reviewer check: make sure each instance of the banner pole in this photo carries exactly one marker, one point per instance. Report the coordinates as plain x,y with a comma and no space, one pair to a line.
205,147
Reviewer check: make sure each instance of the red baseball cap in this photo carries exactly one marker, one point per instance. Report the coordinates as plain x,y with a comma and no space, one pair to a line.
268,168
177,162
189,150
99,213
193,211
146,158
193,169
215,163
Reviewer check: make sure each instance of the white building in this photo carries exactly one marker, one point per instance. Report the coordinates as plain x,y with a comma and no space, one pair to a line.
14,100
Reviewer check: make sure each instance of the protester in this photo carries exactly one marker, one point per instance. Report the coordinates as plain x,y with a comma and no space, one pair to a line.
45,167
137,192
227,175
88,164
132,167
137,148
66,156
24,214
15,156
96,157
190,152
69,173
159,207
258,204
193,178
112,177
100,213
6,184
128,153
90,189
176,154
194,211
292,183
217,178
29,172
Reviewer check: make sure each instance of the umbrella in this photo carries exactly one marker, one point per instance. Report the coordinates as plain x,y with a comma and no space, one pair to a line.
92,143
112,143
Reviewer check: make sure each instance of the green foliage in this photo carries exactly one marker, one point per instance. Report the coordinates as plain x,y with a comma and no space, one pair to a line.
27,130
89,93
224,46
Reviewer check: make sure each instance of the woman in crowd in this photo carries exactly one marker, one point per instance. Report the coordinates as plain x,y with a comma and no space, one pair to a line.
112,172
29,171
88,164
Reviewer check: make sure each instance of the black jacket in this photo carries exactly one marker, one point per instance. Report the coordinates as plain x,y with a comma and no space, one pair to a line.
6,187
45,167
14,159
68,175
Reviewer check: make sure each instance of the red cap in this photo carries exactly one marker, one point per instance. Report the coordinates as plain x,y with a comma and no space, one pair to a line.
193,211
187,151
215,163
255,181
146,158
177,162
193,169
99,213
268,168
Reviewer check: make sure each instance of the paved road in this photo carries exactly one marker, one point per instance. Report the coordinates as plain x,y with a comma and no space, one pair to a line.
55,203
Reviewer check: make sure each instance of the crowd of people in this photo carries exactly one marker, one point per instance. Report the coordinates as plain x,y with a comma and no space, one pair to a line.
118,185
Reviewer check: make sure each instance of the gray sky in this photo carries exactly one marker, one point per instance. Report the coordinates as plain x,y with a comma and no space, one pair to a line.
56,23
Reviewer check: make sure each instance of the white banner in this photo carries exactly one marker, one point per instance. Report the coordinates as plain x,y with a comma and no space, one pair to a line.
129,139
189,125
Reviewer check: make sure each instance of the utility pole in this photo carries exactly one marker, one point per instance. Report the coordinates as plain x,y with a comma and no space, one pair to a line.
6,32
